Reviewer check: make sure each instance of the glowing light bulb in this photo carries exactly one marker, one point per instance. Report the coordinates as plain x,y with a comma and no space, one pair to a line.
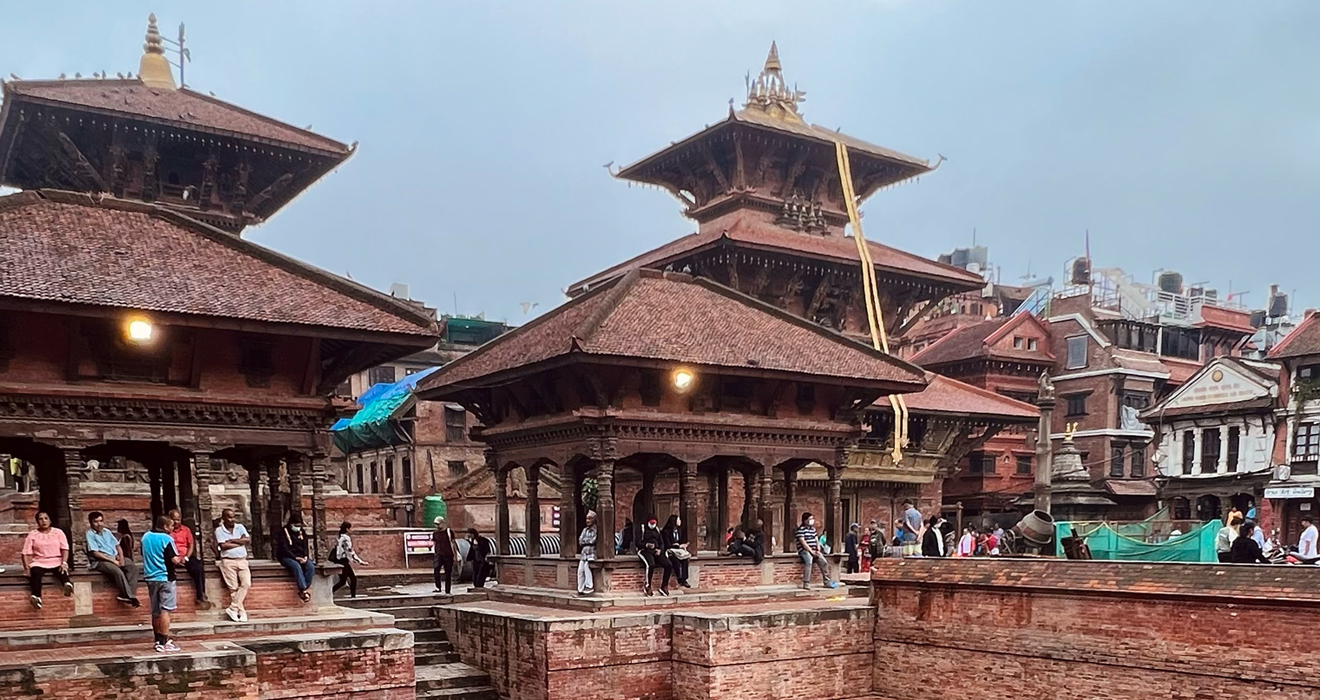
140,331
683,379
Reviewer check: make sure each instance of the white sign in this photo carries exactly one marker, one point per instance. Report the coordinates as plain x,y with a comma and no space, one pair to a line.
1290,492
1223,384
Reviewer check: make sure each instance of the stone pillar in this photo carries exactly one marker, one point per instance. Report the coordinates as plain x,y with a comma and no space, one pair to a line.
767,511
296,470
1223,450
605,508
1196,455
77,523
687,502
749,499
319,464
1044,447
533,516
501,506
258,505
722,503
834,507
568,502
790,509
204,467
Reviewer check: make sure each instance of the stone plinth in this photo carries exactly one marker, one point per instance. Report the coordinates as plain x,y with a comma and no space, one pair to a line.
625,573
1076,630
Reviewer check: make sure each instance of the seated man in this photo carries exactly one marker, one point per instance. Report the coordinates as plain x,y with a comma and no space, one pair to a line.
756,541
291,551
46,551
186,547
104,555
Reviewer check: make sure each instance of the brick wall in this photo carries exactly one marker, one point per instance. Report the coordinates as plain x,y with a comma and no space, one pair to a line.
1076,629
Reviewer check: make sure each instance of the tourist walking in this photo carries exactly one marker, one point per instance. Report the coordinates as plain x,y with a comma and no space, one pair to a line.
1306,544
345,556
586,585
445,546
478,554
186,545
675,551
650,550
45,551
808,548
233,540
158,561
851,542
1246,550
291,551
105,556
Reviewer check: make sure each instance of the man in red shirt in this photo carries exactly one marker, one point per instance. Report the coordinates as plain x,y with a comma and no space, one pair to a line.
186,547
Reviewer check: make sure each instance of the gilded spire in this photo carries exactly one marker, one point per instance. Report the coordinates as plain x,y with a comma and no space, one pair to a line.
769,92
154,69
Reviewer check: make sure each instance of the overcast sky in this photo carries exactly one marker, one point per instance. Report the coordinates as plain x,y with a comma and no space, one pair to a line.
1182,135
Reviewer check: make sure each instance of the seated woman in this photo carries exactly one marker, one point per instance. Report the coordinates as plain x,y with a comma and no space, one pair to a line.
291,551
676,551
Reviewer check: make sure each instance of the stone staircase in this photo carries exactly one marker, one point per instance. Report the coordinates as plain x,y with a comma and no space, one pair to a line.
440,674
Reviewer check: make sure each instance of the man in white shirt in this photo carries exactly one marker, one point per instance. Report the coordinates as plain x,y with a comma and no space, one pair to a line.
1306,544
233,539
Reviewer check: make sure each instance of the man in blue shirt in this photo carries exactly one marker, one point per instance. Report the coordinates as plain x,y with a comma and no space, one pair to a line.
104,555
158,562
911,522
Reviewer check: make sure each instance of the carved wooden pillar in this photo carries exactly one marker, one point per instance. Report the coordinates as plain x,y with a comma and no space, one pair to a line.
687,502
157,504
73,516
258,505
187,494
169,499
790,510
533,516
319,463
605,527
568,505
722,499
501,503
150,184
834,504
274,506
296,468
648,497
205,467
767,512
749,499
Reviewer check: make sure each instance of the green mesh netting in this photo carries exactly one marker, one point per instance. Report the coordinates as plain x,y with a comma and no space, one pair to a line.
1137,541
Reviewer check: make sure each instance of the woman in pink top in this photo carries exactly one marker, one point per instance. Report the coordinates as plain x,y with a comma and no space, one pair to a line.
46,551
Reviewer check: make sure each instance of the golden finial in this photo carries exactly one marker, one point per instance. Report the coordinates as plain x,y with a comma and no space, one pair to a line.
1068,430
769,92
154,69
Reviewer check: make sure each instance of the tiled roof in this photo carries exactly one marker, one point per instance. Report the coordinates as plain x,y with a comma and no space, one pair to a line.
830,136
1230,319
752,233
1134,487
969,342
675,318
73,248
1303,340
945,395
182,108
1142,361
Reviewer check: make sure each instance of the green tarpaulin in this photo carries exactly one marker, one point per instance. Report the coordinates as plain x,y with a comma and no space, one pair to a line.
1134,541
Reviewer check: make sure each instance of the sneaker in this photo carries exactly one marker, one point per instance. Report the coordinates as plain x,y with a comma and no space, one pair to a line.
664,592
832,584
233,615
806,586
169,646
35,600
124,599
242,616
68,590
647,591
685,584
160,648
135,602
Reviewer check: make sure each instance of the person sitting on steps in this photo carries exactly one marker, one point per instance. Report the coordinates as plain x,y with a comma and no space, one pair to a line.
46,551
104,555
291,551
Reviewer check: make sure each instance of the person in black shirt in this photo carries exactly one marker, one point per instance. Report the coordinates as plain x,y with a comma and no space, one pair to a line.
478,551
626,537
932,543
676,552
756,541
291,551
651,550
850,545
1245,549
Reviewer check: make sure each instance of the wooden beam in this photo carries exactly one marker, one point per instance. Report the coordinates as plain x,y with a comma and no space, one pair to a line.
312,374
914,318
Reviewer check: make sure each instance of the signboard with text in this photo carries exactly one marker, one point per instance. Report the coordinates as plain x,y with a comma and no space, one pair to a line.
417,544
1290,492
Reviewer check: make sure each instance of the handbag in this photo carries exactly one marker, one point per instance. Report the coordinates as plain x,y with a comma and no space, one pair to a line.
679,553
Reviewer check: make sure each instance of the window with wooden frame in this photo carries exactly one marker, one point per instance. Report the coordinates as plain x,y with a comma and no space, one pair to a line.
1117,456
1078,346
1076,405
455,424
1234,447
1188,452
1210,450
1138,462
1306,446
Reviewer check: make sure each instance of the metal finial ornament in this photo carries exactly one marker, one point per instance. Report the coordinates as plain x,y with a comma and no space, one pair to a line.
769,92
154,44
154,69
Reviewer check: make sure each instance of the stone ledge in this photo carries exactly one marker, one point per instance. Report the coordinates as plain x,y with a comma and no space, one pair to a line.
220,659
387,639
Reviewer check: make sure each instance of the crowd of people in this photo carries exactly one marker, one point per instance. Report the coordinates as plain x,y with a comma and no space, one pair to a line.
170,546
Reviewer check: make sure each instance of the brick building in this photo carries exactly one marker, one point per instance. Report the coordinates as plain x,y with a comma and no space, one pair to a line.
1005,356
1291,493
1121,346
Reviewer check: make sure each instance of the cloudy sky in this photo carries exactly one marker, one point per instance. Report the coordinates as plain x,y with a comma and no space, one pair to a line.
1181,134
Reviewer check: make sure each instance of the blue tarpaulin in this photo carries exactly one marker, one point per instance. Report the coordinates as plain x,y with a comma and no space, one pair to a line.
374,424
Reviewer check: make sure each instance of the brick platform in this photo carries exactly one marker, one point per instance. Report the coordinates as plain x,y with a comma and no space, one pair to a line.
1078,630
706,571
699,653
273,594
373,664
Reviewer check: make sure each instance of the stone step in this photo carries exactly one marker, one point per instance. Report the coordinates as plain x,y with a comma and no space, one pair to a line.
430,659
382,602
450,675
477,693
431,635
416,624
432,647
